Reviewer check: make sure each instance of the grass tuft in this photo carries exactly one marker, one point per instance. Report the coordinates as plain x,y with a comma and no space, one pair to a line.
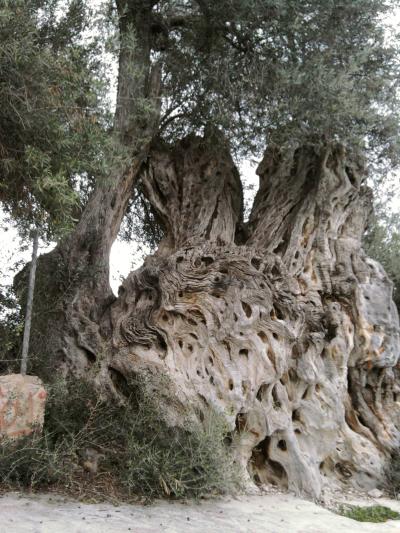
372,513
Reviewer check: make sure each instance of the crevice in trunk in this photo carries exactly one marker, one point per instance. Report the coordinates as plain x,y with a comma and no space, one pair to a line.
264,470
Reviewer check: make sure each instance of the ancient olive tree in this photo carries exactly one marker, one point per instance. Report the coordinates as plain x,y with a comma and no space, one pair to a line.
281,322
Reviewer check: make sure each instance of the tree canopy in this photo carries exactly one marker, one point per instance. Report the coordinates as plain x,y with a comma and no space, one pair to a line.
264,72
52,119
280,72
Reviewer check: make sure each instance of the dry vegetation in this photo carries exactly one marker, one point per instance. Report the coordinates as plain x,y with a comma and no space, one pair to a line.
95,450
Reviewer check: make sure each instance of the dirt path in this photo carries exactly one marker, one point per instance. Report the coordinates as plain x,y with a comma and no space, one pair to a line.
278,513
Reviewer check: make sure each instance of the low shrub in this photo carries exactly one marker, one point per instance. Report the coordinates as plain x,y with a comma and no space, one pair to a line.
88,443
373,513
186,462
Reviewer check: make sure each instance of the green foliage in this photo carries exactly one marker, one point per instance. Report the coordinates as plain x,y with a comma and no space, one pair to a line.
282,71
141,224
373,513
382,242
52,119
265,72
184,462
137,450
11,329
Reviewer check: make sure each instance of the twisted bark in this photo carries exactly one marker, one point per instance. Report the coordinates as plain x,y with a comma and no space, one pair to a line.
292,335
284,325
281,324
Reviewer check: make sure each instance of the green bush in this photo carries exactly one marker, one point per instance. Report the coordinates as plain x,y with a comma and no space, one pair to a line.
185,462
31,462
373,513
135,448
51,457
11,328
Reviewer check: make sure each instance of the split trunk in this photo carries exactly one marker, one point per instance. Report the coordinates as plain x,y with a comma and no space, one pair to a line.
282,324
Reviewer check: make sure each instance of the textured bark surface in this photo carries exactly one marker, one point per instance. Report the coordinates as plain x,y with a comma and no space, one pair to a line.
293,334
282,324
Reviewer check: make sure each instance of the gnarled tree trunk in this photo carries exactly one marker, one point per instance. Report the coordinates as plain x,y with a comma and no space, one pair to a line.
281,324
292,333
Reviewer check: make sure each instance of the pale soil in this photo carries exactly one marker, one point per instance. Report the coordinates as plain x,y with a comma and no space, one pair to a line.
271,513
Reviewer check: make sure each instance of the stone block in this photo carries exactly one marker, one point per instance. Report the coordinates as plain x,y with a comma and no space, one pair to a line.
22,404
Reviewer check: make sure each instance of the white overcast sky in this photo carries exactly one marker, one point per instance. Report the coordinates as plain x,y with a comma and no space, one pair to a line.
124,257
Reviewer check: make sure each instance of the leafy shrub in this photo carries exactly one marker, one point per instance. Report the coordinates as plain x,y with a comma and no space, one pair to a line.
52,456
138,452
373,513
184,462
32,461
11,327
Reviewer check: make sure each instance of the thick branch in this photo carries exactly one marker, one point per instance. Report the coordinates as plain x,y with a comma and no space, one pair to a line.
195,190
303,201
136,120
81,261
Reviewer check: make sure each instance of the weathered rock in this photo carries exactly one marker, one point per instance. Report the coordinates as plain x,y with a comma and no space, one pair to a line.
375,493
22,403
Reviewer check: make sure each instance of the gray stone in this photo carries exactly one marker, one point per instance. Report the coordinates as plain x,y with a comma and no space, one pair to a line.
375,493
22,403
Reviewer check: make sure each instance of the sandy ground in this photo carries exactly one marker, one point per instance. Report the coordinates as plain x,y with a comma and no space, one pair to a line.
276,513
